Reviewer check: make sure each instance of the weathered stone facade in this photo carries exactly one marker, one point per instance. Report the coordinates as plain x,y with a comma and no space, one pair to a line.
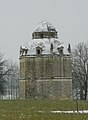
45,75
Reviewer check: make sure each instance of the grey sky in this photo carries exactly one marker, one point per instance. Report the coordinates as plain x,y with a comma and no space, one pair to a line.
18,18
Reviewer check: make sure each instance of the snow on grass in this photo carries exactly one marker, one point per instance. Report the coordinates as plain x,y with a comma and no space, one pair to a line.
80,111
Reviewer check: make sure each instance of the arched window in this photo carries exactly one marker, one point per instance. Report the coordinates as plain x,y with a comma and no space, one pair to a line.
38,50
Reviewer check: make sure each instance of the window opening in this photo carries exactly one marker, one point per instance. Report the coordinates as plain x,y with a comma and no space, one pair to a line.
41,35
38,52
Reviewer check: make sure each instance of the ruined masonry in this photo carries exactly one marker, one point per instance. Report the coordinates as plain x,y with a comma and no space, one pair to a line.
45,65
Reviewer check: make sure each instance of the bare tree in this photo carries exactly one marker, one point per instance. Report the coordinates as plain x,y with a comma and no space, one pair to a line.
8,78
80,69
4,70
12,80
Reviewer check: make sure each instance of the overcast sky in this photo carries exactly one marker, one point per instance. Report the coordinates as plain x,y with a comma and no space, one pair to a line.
19,18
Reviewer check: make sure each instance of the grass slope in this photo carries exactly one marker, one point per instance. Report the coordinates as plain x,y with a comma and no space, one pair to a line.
29,109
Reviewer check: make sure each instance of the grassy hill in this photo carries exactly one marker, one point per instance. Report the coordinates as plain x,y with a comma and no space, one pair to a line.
40,109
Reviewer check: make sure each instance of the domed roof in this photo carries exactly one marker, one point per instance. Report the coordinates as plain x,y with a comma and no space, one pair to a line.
45,26
44,39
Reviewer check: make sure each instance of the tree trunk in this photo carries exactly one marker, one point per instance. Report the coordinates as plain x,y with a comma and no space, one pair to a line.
81,94
86,90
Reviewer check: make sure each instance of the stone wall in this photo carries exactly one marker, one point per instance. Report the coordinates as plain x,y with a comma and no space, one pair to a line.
45,76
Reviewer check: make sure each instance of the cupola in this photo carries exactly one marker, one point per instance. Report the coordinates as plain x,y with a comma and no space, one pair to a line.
44,30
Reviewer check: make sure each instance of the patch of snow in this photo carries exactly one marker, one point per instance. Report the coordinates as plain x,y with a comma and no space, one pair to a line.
45,43
68,112
45,26
80,111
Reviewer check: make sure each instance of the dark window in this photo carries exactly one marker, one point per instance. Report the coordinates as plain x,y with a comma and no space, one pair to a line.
52,35
38,52
41,35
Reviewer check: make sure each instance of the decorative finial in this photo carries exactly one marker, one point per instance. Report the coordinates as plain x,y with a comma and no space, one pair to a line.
69,48
51,48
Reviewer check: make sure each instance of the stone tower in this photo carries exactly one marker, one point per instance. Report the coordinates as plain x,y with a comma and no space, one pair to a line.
45,66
